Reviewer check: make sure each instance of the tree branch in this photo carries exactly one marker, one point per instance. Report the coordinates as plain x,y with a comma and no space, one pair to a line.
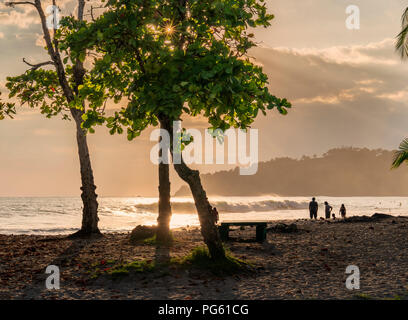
38,65
91,11
13,4
81,5
79,70
54,54
140,60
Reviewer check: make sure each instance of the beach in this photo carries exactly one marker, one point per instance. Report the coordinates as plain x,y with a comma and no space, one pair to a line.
308,264
62,215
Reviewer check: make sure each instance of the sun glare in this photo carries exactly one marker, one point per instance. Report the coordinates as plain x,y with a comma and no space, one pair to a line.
169,29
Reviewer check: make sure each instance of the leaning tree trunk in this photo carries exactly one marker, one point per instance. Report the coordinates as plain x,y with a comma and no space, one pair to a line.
207,219
163,234
208,222
90,204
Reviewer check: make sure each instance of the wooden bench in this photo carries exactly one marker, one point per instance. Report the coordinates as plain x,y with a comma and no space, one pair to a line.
260,228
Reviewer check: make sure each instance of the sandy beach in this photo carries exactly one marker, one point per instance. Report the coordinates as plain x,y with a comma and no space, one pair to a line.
308,264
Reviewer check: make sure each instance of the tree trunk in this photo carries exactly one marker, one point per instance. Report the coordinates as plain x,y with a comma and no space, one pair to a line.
208,223
207,219
90,210
163,234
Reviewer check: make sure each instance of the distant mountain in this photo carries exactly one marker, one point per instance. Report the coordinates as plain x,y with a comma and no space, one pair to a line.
339,172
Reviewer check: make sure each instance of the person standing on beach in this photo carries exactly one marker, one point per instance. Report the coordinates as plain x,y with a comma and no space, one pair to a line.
343,211
327,209
313,208
216,215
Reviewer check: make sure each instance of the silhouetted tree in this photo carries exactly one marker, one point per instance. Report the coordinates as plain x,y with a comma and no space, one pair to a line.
56,92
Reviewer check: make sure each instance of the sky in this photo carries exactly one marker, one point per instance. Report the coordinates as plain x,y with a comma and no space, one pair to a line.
347,87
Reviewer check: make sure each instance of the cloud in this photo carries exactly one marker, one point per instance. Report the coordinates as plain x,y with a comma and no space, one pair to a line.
337,100
397,96
336,75
369,82
22,16
39,40
378,53
25,16
330,99
342,96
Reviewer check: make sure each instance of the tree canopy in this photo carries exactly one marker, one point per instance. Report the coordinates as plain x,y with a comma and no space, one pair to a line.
174,57
40,88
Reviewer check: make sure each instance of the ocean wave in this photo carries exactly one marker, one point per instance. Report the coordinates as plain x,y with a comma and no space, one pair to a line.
229,206
38,231
56,231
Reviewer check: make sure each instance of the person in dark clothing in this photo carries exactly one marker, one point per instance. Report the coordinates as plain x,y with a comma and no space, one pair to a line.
343,211
313,208
216,215
327,209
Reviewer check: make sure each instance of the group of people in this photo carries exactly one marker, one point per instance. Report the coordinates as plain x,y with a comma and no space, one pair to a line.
314,207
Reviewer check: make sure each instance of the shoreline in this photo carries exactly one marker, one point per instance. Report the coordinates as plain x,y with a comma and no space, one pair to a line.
193,227
181,228
308,264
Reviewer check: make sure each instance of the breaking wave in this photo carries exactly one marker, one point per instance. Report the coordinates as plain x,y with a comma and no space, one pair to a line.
230,206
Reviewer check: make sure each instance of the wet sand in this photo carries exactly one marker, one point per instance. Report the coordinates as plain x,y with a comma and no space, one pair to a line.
309,264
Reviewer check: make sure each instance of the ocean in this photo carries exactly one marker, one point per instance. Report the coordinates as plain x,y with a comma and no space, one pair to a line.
62,215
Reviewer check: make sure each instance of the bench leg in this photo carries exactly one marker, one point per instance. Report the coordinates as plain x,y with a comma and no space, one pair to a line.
224,231
260,233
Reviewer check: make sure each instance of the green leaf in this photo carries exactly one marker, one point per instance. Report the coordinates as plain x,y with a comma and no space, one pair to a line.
81,56
107,58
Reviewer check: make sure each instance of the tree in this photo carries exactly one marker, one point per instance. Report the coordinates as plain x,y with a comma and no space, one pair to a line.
401,46
401,155
402,38
55,92
170,58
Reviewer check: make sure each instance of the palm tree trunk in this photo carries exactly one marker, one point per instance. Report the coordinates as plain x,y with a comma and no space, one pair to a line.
89,197
208,223
163,234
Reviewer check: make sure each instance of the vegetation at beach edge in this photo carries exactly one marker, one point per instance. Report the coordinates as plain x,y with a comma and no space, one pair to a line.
198,258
